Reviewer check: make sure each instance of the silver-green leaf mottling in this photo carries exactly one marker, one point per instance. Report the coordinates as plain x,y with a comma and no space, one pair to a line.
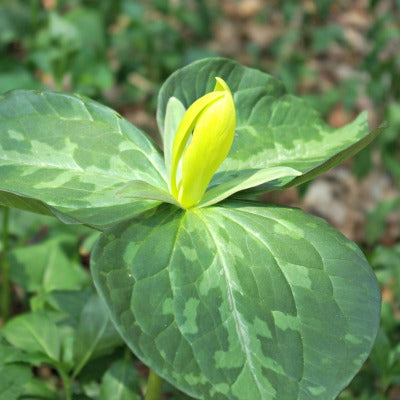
240,301
70,156
273,128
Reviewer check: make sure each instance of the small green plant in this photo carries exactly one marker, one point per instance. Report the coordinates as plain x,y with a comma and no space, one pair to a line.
223,296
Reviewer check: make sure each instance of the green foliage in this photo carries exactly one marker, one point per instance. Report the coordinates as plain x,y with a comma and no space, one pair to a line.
224,301
46,267
95,335
89,48
380,376
239,298
73,176
69,329
119,382
377,218
120,52
273,129
390,142
14,378
34,332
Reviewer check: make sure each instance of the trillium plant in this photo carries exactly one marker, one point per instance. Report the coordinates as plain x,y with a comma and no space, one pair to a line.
221,295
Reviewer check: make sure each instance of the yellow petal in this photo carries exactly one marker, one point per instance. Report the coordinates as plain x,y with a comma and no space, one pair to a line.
212,120
184,131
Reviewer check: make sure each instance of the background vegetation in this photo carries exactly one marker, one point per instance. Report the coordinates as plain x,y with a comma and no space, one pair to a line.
343,56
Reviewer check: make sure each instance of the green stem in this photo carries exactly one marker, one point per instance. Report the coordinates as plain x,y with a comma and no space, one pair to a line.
154,387
34,15
67,383
5,269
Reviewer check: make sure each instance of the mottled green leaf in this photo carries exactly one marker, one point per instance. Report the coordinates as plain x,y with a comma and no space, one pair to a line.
143,190
273,128
69,156
120,382
173,115
95,334
246,179
240,301
34,332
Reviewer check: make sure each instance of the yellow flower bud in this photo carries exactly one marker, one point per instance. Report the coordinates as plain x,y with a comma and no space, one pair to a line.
212,120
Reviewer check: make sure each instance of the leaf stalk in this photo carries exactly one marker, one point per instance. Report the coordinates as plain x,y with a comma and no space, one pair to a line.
5,268
154,387
67,381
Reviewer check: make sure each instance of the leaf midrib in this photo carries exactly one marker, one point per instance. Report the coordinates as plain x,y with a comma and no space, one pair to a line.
116,177
236,315
38,339
122,383
90,350
117,131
